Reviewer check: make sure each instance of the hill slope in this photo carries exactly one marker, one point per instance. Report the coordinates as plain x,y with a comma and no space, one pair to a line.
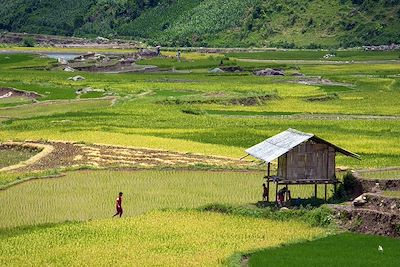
291,23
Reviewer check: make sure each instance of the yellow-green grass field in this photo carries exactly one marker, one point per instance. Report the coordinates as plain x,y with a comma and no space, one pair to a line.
159,238
87,195
391,173
392,194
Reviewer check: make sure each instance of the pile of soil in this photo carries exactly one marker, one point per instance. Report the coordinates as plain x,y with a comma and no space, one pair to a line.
270,72
11,92
232,69
379,215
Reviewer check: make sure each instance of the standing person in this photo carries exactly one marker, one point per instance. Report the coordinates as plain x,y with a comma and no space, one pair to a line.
158,50
178,55
281,196
265,192
118,205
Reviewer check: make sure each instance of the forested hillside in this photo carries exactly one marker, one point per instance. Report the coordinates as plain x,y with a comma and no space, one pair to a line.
283,23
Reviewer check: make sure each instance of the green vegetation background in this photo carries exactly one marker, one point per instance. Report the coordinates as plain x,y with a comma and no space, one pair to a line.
224,23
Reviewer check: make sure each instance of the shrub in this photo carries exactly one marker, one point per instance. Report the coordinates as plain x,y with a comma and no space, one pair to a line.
350,187
28,42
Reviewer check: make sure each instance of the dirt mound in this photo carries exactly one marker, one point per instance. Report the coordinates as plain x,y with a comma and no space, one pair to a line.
270,72
232,69
382,184
75,155
12,92
377,215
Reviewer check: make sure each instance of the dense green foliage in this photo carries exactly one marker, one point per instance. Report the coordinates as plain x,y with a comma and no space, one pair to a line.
339,250
294,23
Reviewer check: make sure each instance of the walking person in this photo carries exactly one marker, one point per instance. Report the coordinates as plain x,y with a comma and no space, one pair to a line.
118,205
178,55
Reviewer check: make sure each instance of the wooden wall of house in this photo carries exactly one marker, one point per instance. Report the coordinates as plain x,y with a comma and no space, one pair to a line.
309,160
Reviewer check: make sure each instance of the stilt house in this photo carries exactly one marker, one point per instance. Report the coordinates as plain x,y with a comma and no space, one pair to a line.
303,158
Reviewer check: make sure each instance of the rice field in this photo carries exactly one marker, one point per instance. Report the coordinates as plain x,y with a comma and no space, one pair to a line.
169,110
10,157
159,238
67,220
388,173
90,195
339,250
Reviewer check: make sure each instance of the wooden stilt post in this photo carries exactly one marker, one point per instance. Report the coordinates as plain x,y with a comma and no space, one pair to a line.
268,175
325,190
286,195
334,187
315,190
276,193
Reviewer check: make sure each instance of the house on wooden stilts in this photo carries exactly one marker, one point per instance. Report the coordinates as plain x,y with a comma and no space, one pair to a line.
303,158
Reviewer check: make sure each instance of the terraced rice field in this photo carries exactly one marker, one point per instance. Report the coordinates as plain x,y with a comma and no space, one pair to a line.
169,110
185,116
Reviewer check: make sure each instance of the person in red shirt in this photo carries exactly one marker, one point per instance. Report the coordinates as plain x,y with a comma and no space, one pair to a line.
118,205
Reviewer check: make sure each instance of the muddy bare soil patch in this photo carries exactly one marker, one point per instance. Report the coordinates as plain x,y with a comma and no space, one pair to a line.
12,92
75,155
379,215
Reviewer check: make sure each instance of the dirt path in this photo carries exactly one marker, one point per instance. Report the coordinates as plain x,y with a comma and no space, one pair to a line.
320,117
64,154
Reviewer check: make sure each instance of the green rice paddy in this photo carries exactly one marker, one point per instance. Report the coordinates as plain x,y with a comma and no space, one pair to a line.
89,195
339,250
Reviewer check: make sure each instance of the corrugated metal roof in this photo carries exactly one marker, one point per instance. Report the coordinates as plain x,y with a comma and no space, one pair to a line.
282,143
